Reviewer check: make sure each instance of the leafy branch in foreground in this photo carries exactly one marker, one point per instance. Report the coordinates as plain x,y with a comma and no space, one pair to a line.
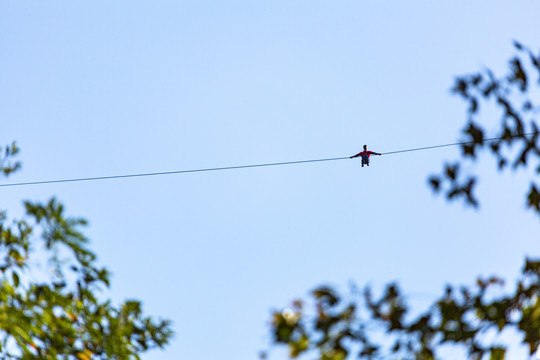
516,141
62,316
336,329
7,165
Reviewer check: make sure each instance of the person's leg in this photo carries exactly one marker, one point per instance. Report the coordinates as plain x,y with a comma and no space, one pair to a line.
365,160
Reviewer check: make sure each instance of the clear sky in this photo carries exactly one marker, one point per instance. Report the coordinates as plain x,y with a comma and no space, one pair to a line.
97,88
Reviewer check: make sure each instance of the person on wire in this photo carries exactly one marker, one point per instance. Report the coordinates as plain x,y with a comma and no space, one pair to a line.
365,155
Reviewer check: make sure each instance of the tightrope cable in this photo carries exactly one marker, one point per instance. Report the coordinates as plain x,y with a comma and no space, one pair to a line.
232,167
168,172
453,144
436,146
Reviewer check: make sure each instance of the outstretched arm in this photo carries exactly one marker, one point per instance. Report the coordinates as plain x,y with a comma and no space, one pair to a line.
357,155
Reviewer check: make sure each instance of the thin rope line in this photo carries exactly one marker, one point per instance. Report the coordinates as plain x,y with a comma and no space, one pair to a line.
168,172
453,144
235,167
426,148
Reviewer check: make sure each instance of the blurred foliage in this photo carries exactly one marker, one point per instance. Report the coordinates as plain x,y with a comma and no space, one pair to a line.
7,164
364,326
62,316
515,96
332,326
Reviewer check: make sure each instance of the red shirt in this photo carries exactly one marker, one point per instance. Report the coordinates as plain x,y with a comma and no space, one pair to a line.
367,153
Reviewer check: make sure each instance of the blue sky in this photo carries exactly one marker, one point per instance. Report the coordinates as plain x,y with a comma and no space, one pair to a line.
114,87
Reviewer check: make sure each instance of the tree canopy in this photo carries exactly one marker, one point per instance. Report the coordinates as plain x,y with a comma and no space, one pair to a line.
58,313
359,324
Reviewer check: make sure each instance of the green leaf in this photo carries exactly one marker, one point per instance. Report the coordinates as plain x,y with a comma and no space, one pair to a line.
435,183
519,76
326,295
15,279
497,353
534,198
